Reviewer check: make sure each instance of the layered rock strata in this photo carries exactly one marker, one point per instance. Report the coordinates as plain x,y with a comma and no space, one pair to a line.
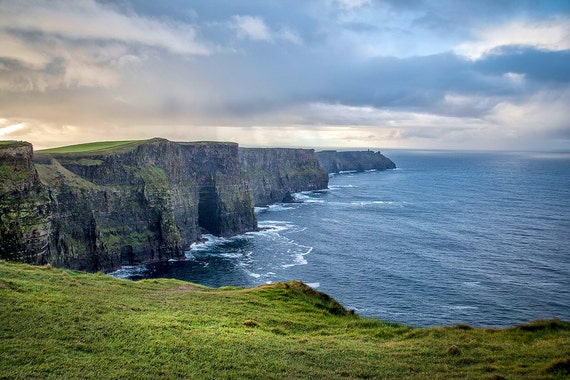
102,206
24,206
334,162
276,173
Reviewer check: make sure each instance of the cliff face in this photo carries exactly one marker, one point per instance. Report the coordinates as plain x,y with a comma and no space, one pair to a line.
275,173
225,199
102,205
111,209
335,162
24,206
146,201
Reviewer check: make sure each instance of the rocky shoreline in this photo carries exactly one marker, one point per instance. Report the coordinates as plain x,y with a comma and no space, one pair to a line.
97,207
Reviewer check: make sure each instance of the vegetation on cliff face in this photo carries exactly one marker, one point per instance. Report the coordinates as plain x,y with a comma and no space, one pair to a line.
127,202
58,324
275,173
335,162
98,206
24,211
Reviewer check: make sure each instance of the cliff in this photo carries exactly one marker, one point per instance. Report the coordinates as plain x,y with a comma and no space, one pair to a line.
275,173
99,206
141,201
24,206
335,162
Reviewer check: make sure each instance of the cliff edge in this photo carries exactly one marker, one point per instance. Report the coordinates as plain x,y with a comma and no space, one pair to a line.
141,201
276,173
334,162
99,206
24,206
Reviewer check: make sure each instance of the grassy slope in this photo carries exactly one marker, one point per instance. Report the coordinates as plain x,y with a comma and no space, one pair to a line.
64,324
95,147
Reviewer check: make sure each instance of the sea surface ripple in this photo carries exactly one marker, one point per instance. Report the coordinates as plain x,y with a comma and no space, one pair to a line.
447,238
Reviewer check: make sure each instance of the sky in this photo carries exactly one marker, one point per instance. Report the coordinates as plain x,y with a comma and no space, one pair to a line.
390,74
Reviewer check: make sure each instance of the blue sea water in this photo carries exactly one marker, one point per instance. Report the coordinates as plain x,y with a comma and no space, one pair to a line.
448,237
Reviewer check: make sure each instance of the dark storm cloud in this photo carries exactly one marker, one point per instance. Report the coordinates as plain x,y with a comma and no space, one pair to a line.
388,64
548,67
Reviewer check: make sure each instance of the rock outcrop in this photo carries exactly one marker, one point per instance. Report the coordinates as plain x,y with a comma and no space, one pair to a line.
24,206
100,206
103,205
276,173
142,201
335,162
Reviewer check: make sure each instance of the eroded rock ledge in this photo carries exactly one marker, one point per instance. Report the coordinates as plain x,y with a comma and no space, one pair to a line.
334,162
103,206
276,173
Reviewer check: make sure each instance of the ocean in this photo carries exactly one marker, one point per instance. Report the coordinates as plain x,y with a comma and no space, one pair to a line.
447,238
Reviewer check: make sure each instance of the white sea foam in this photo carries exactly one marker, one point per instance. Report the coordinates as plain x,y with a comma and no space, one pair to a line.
314,285
337,187
207,243
279,207
232,255
369,203
298,258
301,197
308,197
128,271
272,227
461,307
211,241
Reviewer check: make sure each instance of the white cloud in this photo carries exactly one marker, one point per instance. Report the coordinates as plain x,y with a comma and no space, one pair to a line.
290,35
252,27
81,43
350,4
10,129
88,20
552,35
256,29
544,112
17,49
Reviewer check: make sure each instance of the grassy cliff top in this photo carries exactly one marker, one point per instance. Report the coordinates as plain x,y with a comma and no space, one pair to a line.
13,144
102,147
63,324
96,147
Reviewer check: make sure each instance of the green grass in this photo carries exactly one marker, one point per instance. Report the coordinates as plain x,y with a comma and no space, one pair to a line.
63,324
12,144
94,147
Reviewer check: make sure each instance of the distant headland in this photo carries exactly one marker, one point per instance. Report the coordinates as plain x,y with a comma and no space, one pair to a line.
98,206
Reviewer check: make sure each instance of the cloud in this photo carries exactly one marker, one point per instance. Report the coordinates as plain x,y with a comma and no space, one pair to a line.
350,4
273,73
549,35
252,27
7,128
81,43
255,28
89,20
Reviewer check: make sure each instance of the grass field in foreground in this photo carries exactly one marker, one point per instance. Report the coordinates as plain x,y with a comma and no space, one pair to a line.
62,324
